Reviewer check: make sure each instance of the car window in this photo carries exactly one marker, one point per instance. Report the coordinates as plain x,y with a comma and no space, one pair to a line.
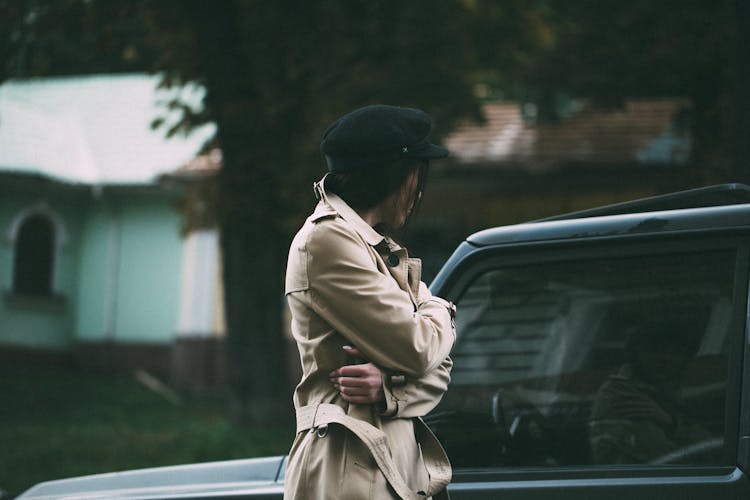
595,361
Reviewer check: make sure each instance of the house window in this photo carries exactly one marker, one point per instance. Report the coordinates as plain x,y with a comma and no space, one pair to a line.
34,256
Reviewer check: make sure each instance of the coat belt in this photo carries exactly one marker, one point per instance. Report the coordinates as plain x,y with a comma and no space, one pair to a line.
435,460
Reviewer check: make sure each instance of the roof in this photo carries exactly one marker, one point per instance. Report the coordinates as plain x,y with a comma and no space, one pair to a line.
94,129
675,221
710,196
203,165
646,131
716,207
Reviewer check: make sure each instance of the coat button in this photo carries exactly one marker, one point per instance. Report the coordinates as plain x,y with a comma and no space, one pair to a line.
392,260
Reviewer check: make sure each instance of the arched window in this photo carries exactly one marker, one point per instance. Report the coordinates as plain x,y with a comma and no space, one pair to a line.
34,256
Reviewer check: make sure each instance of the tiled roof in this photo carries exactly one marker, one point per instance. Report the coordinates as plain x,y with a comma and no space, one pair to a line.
93,129
201,166
643,131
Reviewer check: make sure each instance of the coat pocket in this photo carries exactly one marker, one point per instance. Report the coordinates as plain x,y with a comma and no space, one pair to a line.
359,469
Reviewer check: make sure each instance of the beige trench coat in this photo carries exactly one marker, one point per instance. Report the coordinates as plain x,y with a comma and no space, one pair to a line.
347,285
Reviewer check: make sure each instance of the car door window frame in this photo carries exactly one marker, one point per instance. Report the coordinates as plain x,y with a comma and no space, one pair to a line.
484,260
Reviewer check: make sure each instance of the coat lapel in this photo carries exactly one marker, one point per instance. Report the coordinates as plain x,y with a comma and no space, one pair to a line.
407,272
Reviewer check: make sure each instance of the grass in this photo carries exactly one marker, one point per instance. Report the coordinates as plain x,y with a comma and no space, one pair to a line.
58,421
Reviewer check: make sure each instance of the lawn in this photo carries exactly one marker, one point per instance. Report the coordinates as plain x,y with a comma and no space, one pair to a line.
58,421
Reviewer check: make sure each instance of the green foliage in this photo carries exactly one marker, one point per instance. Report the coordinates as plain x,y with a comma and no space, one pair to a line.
276,73
609,51
60,422
64,37
288,68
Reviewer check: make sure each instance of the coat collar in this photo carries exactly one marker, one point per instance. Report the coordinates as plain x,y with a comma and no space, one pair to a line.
331,201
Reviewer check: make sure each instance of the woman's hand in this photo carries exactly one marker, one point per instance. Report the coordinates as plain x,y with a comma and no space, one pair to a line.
358,383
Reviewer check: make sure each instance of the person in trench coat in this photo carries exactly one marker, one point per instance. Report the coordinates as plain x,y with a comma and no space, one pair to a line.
374,343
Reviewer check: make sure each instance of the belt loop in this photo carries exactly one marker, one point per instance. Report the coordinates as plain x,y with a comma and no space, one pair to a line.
315,416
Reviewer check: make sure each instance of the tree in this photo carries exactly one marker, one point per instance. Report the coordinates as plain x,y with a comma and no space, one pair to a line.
609,51
67,37
276,73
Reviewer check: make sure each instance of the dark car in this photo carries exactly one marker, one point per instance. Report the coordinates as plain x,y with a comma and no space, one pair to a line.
600,355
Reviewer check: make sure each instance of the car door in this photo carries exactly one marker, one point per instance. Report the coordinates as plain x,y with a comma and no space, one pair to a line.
590,369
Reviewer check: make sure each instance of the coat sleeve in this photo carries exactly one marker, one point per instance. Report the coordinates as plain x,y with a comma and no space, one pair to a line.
407,397
368,307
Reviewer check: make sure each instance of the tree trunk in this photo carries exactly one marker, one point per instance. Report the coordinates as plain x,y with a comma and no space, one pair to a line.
253,271
251,239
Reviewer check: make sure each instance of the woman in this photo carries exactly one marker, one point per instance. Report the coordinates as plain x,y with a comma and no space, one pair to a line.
373,342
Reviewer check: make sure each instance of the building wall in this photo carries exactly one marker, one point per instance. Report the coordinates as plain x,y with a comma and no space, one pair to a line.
116,277
201,301
40,322
129,291
93,294
149,284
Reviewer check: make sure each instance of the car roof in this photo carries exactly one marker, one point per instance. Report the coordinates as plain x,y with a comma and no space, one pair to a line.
715,207
710,196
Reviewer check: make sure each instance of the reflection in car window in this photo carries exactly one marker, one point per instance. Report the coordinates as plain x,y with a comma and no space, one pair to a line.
591,362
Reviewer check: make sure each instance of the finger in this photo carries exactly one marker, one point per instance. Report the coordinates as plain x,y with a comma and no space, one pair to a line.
359,396
352,371
358,370
353,391
352,351
352,382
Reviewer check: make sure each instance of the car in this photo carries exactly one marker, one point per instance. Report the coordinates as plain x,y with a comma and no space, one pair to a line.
602,354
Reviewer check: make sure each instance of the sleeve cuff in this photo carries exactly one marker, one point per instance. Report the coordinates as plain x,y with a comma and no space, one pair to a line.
425,296
391,384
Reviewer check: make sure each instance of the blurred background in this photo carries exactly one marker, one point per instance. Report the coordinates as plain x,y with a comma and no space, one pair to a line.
157,157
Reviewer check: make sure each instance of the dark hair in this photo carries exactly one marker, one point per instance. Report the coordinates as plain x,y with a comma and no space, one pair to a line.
678,335
365,188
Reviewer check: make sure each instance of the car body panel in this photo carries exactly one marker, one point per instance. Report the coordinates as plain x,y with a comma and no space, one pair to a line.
508,486
256,478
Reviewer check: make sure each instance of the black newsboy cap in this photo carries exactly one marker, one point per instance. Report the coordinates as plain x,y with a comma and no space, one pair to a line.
376,134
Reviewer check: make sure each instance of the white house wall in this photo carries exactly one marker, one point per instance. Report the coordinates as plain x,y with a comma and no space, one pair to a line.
200,299
133,246
91,320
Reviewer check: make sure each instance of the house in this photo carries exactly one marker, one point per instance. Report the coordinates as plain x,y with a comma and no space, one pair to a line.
93,257
100,256
592,155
